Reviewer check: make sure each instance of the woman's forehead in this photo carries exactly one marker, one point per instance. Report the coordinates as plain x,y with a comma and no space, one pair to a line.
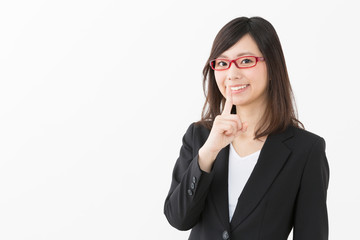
246,46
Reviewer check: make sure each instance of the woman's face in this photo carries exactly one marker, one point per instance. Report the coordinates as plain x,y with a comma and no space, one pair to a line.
253,81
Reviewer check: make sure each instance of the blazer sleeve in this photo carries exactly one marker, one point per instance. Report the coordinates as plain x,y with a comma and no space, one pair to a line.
189,187
311,219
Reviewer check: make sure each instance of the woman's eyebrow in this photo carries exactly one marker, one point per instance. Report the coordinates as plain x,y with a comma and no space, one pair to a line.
245,54
239,55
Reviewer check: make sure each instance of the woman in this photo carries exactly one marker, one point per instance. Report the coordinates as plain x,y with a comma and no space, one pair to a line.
248,170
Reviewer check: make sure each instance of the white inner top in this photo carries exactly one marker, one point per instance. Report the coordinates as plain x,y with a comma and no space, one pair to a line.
240,169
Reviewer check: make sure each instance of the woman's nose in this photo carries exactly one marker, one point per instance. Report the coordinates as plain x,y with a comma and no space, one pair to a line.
233,72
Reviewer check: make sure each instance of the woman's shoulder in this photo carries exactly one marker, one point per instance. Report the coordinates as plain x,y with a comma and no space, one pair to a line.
197,131
305,139
203,125
305,134
196,135
198,128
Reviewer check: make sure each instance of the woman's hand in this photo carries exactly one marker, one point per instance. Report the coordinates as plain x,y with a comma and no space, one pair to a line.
225,128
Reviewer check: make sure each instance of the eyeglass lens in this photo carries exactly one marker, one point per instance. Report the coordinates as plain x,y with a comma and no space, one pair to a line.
243,62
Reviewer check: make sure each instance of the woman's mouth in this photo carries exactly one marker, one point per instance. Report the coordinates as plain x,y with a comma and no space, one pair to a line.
239,88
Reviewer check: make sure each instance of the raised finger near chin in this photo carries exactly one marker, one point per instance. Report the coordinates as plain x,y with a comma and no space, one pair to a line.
235,121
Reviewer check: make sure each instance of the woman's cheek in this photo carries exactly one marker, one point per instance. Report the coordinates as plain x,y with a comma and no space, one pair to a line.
220,81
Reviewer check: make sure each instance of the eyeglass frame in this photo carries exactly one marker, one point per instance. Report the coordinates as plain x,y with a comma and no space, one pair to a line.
234,61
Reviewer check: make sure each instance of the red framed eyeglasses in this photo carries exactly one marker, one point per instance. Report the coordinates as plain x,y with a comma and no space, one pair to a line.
221,64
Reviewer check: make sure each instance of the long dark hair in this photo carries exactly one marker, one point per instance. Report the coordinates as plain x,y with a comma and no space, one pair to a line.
280,112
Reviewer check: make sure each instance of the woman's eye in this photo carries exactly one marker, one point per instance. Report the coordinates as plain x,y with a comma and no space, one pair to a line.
246,61
222,64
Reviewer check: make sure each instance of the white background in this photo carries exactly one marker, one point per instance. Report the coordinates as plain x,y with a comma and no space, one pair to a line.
95,97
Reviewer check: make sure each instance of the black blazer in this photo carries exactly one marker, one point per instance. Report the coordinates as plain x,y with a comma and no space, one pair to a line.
286,189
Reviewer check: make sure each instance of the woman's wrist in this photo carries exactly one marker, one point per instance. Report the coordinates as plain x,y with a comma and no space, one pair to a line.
206,159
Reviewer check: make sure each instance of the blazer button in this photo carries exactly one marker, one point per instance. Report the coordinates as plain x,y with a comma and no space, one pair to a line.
190,192
225,235
194,180
192,186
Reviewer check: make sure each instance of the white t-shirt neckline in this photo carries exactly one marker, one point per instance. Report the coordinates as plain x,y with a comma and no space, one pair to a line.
240,169
245,157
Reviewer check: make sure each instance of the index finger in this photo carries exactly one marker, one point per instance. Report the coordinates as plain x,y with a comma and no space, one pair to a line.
228,102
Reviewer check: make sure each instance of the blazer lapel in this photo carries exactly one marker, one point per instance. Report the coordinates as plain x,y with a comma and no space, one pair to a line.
219,188
272,158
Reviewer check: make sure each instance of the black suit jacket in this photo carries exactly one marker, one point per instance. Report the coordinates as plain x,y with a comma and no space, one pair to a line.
286,189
